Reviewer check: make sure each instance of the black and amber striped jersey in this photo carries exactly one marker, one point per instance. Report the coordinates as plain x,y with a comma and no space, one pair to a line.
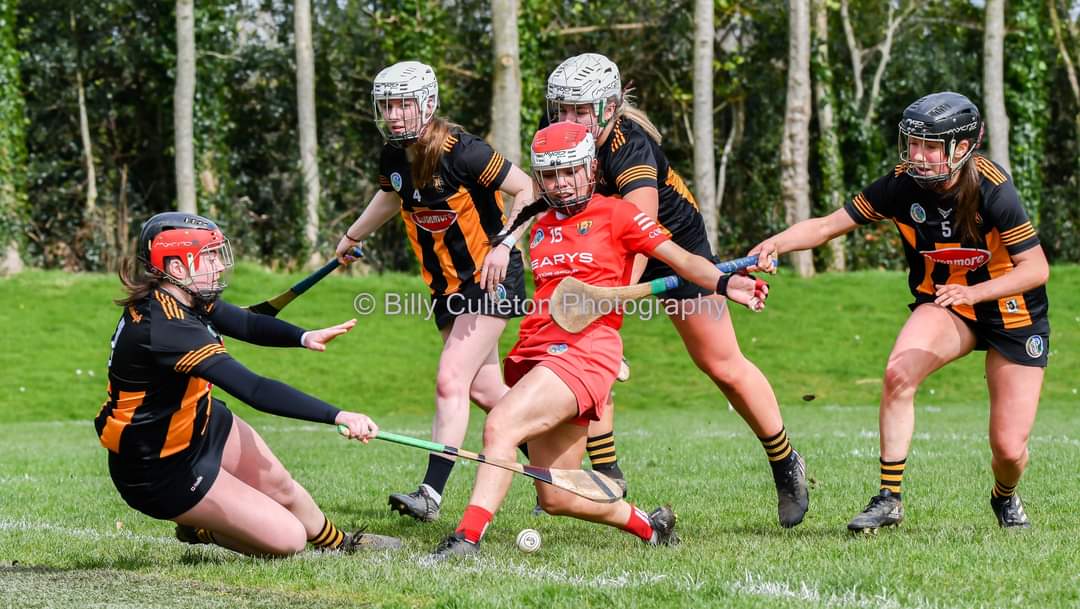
927,222
630,159
157,405
449,220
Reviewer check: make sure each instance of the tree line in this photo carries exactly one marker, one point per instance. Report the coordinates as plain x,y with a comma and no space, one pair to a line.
257,112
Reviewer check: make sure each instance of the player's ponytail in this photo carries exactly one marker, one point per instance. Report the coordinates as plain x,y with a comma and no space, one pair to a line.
429,150
526,214
136,281
968,197
628,109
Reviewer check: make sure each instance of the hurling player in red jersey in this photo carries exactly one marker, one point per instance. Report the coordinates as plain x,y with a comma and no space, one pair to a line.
560,381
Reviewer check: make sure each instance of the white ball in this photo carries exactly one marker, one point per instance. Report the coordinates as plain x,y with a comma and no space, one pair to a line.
528,541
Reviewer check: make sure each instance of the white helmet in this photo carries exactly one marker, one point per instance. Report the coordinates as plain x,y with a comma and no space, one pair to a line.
564,145
586,79
403,82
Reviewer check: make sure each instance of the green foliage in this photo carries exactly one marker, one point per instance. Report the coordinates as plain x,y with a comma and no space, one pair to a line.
247,151
12,131
1028,48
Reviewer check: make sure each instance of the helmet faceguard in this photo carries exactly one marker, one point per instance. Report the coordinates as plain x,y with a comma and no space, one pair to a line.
405,97
563,156
199,245
589,80
944,118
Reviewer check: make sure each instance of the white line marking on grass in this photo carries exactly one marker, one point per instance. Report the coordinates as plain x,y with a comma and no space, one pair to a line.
25,525
485,564
804,592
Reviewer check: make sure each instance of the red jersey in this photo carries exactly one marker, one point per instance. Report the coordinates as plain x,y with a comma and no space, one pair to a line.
596,246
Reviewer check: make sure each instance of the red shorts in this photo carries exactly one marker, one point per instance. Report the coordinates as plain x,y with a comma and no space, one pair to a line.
588,363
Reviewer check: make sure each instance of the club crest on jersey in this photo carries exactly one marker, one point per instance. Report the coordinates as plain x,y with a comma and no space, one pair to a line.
969,258
395,181
436,182
560,348
918,214
1034,346
584,226
435,221
538,237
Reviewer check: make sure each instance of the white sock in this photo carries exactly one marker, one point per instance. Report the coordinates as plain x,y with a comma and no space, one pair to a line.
431,493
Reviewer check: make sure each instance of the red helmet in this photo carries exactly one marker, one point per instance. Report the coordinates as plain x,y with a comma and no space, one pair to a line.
561,146
194,240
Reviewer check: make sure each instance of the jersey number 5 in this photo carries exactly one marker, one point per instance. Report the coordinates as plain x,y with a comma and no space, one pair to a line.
946,230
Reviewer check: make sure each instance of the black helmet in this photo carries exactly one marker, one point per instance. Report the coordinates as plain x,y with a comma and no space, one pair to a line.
945,117
188,237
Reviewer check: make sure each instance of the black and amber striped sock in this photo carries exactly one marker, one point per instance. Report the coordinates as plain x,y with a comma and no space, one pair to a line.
1002,490
892,474
329,538
206,536
602,451
777,446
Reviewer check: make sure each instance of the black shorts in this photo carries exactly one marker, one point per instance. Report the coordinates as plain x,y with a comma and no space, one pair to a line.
166,488
471,298
655,269
1027,346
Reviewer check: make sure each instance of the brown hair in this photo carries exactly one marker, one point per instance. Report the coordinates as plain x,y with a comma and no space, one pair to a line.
429,150
968,196
138,283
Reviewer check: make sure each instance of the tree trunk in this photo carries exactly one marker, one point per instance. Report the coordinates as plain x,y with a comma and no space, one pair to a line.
506,96
832,163
794,153
738,121
309,143
13,200
183,106
84,130
997,121
88,150
704,155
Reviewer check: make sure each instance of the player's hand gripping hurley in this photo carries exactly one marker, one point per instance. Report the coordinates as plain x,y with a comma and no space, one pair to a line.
591,485
575,304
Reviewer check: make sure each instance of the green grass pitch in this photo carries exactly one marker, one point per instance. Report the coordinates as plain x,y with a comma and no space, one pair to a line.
68,540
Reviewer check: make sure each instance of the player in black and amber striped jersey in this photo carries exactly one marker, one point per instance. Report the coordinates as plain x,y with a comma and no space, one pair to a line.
977,273
448,187
175,451
587,89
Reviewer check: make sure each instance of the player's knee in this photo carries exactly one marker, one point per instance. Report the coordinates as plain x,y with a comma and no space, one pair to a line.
726,373
898,380
1009,450
288,538
450,384
501,433
555,502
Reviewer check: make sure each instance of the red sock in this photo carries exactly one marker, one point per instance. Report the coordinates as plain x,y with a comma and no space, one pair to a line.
639,524
475,521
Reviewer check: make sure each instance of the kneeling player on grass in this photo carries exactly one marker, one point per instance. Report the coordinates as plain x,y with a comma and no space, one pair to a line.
560,380
977,273
177,453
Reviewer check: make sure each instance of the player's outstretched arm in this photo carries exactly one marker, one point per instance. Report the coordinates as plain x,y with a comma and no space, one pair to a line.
266,394
383,206
801,236
742,289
